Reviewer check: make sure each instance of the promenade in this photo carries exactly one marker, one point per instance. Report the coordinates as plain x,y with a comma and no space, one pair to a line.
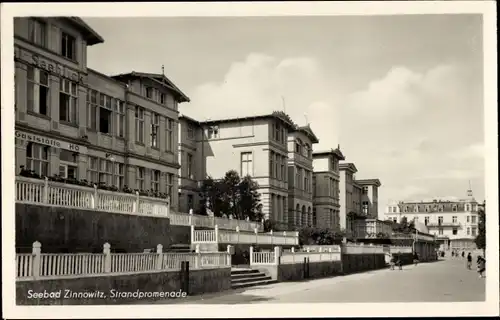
442,281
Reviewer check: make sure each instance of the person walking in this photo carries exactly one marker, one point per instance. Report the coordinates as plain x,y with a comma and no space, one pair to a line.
469,261
415,258
481,266
463,254
399,263
392,262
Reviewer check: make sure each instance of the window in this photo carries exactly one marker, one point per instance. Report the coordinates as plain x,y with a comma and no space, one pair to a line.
92,109
277,131
68,96
283,171
276,165
467,207
440,208
139,124
426,220
298,145
390,209
190,132
454,219
101,171
297,178
68,164
155,180
190,166
170,183
427,209
440,231
38,91
473,219
246,164
139,178
415,208
474,231
468,231
440,220
190,201
213,132
454,231
454,208
415,219
155,126
306,180
119,175
468,219
271,165
37,158
106,171
105,113
170,135
120,117
161,98
365,190
68,46
149,93
37,32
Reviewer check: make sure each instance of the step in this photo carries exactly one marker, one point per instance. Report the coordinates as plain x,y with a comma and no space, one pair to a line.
244,271
252,284
252,279
246,275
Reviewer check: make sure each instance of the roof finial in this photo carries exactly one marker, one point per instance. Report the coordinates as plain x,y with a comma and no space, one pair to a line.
162,69
307,121
469,192
283,104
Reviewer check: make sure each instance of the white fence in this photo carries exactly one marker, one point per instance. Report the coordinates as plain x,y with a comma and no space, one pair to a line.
363,249
39,265
320,248
56,194
277,256
400,249
244,237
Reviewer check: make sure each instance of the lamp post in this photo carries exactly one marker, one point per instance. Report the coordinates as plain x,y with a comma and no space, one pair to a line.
112,159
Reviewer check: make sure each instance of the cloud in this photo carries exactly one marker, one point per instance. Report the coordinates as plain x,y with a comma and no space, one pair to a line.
261,84
473,151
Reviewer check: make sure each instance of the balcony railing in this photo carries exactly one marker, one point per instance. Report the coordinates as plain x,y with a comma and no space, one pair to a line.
444,224
56,194
244,237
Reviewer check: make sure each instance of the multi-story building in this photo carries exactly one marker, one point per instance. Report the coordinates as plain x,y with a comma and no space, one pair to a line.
326,188
369,197
348,198
78,123
254,146
455,223
300,177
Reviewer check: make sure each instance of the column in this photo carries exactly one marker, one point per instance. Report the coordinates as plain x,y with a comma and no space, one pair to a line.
130,132
54,161
54,83
130,177
82,166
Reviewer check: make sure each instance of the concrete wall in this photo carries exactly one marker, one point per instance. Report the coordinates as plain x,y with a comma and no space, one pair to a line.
200,281
76,230
352,263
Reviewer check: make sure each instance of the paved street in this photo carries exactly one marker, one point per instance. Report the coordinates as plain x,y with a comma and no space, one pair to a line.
443,281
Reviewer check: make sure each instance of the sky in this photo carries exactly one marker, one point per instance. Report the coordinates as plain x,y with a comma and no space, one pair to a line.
402,95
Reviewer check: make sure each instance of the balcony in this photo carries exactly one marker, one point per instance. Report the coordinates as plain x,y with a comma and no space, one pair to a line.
217,236
444,225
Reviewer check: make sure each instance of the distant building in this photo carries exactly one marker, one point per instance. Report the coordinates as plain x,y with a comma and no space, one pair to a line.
455,223
326,188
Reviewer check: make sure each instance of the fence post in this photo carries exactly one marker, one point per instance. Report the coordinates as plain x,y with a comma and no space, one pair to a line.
216,229
277,254
256,230
46,191
229,254
159,258
136,209
251,255
95,205
272,237
36,250
107,257
330,250
284,236
237,234
197,258
193,240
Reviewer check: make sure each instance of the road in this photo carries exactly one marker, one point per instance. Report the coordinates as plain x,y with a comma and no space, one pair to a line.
442,281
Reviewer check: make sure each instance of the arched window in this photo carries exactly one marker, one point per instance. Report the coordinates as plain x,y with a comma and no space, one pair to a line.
304,216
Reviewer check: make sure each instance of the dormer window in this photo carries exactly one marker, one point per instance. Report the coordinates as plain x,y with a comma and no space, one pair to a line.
68,46
190,132
149,92
454,208
441,208
213,132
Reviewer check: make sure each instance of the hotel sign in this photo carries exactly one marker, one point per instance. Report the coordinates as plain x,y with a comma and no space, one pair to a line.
30,137
49,66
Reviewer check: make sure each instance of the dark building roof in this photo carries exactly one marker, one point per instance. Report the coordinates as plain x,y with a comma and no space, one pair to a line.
89,34
158,77
335,152
348,166
248,118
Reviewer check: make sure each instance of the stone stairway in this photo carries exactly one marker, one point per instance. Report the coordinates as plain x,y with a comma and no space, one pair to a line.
245,277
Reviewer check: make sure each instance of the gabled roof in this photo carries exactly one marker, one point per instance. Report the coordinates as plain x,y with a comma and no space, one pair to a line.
188,119
157,77
89,34
257,117
335,152
308,132
369,182
348,166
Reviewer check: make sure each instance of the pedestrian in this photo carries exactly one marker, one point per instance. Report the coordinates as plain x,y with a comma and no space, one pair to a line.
481,266
453,253
415,258
399,262
392,262
469,261
463,254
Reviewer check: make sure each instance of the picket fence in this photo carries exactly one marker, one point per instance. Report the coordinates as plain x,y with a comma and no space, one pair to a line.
38,265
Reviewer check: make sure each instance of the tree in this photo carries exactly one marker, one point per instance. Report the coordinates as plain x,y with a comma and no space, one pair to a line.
403,226
481,234
324,236
231,195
